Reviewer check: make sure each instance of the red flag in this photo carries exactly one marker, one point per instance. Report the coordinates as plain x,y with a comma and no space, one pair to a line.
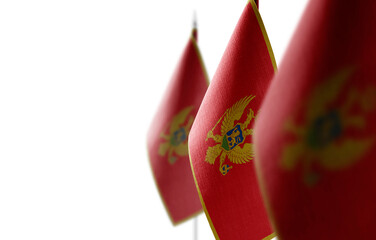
316,134
220,142
167,140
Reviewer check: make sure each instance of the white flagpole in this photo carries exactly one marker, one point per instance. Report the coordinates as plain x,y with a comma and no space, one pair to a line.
194,20
195,225
195,229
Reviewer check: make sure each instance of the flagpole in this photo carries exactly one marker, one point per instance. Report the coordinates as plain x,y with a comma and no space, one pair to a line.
194,20
194,25
195,229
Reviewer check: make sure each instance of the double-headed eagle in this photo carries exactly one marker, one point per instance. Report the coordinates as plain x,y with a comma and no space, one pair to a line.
322,139
231,143
176,139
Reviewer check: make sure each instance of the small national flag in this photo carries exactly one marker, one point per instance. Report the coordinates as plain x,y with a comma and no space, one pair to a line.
316,134
220,143
167,140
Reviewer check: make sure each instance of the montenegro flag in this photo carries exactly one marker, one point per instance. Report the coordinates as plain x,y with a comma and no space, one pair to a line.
220,142
167,140
315,138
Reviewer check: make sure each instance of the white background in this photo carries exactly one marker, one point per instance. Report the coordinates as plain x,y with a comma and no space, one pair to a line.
79,84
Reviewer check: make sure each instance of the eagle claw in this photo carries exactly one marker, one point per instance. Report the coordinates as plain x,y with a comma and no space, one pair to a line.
210,135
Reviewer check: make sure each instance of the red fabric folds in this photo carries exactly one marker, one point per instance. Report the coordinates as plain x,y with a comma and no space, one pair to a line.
167,140
315,136
220,142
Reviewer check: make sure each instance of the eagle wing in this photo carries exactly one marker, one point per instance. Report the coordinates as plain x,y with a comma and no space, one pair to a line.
327,92
182,149
212,153
163,148
342,156
234,113
241,155
180,119
292,154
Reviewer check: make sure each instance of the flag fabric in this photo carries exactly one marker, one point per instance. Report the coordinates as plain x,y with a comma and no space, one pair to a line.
167,140
220,142
315,138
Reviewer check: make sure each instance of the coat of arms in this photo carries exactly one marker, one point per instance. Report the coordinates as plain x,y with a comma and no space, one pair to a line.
231,144
323,138
176,138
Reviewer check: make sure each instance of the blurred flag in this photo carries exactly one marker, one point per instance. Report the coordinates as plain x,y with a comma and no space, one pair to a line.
316,135
220,142
167,141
